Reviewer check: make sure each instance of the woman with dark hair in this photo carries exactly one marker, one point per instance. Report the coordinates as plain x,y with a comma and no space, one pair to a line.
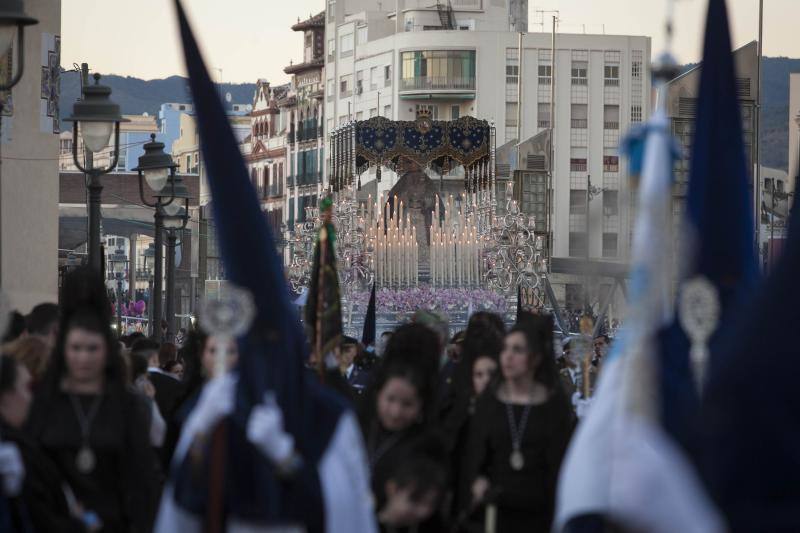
397,427
87,420
43,498
520,432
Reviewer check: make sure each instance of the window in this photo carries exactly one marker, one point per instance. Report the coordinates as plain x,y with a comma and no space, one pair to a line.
361,35
437,69
611,74
512,65
455,112
636,113
580,71
373,78
359,115
346,45
543,114
609,245
331,49
359,82
387,111
577,244
182,108
511,113
577,202
579,116
610,203
636,69
331,89
577,164
611,117
545,74
610,163
345,85
373,112
331,10
387,75
573,295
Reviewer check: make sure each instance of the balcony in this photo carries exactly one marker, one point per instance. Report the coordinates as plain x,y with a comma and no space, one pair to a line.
450,71
437,83
579,123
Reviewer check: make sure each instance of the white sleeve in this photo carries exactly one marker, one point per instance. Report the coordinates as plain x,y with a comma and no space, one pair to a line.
172,518
158,428
344,478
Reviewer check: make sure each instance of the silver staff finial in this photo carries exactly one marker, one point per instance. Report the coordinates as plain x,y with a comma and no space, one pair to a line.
228,317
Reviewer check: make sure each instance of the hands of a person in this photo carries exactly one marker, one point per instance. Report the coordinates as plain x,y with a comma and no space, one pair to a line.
12,469
479,489
216,402
265,431
582,405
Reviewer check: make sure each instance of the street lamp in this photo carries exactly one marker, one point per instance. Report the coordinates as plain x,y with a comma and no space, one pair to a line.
149,257
592,191
119,263
13,20
157,169
175,217
96,116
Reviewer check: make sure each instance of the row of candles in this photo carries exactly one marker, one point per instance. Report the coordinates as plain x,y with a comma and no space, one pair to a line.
395,258
455,246
455,249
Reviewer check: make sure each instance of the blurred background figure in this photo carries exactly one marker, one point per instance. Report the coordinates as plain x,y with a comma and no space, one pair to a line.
520,431
42,322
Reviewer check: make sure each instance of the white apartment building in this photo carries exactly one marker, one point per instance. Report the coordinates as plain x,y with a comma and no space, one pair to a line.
395,63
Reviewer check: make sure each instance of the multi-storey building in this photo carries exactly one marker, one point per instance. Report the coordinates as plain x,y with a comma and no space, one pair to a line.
682,106
267,156
169,119
414,55
132,137
303,106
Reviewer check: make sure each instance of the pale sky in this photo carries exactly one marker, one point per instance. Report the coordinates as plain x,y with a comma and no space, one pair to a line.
251,39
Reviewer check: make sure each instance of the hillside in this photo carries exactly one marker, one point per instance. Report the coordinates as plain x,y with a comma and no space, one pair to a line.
137,96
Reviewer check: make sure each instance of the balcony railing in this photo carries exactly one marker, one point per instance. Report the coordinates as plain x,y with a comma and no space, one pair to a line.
579,123
435,83
543,123
612,82
580,81
611,125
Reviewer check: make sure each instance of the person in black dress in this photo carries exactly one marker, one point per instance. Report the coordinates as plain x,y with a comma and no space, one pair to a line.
43,502
396,426
520,432
88,422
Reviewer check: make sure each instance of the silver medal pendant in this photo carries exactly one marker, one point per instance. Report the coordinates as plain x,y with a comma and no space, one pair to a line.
85,460
517,460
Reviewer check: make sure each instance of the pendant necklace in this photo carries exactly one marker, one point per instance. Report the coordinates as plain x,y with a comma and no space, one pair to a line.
85,459
516,459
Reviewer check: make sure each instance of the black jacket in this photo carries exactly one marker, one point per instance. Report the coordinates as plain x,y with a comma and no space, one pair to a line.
43,490
168,390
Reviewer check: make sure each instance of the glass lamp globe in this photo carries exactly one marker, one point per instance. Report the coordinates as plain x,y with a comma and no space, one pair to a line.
156,178
96,135
173,208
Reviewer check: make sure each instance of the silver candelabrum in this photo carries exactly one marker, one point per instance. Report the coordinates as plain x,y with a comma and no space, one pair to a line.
512,253
353,249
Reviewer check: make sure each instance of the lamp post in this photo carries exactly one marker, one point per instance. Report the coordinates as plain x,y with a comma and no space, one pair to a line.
119,263
149,256
96,116
157,169
591,193
175,218
13,20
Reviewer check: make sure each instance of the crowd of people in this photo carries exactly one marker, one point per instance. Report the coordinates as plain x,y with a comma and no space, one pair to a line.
461,432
